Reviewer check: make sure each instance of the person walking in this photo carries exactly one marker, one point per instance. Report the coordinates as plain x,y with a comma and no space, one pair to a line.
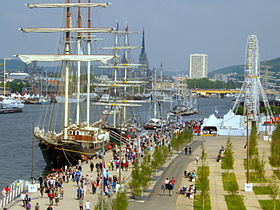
81,204
87,205
162,189
186,150
37,207
196,160
190,150
51,196
28,206
91,166
50,207
166,183
172,183
79,193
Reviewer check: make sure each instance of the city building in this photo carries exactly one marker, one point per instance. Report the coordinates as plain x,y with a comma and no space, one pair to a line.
198,66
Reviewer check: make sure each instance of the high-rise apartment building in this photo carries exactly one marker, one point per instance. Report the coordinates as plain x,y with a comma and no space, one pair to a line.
198,66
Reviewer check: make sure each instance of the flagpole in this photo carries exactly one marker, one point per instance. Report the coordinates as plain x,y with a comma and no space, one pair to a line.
102,183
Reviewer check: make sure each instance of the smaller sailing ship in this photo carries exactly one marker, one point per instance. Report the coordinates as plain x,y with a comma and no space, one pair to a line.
186,102
185,108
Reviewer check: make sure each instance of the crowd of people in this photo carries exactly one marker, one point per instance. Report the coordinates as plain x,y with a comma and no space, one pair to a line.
89,182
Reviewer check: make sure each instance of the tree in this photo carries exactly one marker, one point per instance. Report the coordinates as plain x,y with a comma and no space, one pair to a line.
120,202
203,180
203,155
275,191
228,159
253,144
145,171
98,204
135,182
158,158
259,165
274,158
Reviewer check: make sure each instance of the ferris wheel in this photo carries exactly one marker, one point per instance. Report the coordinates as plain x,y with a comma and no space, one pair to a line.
252,88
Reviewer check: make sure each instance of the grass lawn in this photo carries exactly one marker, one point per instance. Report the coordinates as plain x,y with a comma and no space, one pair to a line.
252,163
199,175
277,173
223,165
199,170
254,179
268,204
262,190
229,180
235,202
198,203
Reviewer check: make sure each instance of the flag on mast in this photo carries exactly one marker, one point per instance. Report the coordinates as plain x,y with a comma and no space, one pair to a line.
117,27
126,27
105,179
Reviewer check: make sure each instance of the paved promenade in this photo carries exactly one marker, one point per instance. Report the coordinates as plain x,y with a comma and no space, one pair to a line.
70,201
179,163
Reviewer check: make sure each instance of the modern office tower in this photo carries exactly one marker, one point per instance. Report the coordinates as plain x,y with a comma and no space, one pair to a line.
198,66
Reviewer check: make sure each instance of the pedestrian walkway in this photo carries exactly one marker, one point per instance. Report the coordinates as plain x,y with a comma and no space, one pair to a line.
217,193
70,197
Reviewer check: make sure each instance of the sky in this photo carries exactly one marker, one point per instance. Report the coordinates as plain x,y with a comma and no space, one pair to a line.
174,29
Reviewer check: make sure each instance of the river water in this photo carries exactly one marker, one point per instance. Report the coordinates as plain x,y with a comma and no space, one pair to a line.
16,136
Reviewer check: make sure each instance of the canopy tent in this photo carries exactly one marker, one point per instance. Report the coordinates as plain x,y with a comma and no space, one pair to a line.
211,125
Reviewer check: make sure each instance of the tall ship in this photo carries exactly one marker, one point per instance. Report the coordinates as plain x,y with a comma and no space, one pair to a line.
69,142
121,108
186,103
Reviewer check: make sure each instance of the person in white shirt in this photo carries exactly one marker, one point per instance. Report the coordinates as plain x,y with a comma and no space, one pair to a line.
87,205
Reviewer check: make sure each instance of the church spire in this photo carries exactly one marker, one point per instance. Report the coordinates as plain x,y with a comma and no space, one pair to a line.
143,43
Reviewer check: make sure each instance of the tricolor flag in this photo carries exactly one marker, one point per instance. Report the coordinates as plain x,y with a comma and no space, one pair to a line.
105,179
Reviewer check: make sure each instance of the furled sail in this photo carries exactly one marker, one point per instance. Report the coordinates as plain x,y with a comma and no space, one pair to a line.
116,85
115,104
122,66
85,58
120,48
82,30
67,5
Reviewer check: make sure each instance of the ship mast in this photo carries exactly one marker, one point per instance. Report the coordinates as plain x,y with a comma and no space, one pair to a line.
88,67
79,66
67,52
115,72
125,70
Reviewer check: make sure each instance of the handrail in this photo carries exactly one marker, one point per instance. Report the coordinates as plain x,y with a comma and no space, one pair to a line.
16,188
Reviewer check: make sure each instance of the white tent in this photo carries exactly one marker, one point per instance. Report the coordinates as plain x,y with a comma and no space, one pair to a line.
212,123
232,125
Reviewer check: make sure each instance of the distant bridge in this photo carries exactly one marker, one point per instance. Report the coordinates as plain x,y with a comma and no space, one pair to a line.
211,91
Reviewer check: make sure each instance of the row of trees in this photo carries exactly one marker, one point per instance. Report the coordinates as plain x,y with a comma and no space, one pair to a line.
274,158
203,181
205,83
15,86
142,172
183,138
254,161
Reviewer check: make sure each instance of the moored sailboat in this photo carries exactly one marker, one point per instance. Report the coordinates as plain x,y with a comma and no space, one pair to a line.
74,141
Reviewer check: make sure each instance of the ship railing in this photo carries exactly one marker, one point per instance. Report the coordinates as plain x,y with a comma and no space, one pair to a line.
117,136
16,189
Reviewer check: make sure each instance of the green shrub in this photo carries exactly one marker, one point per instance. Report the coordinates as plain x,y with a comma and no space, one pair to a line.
230,183
120,202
